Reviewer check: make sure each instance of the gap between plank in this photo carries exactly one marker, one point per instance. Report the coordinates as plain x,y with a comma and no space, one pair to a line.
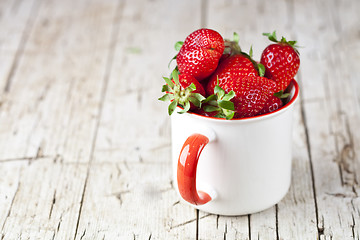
109,63
249,225
197,224
291,19
308,146
277,221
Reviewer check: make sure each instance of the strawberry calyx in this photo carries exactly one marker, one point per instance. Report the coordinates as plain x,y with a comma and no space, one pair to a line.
179,96
220,102
281,94
260,68
232,47
272,37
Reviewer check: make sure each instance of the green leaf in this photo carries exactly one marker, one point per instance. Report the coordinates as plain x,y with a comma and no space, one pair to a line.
195,101
229,96
186,108
175,76
192,86
229,115
236,37
166,88
178,45
209,108
292,43
172,107
172,60
271,36
261,69
210,98
285,95
281,94
165,98
213,103
226,105
169,82
251,52
198,96
219,91
220,115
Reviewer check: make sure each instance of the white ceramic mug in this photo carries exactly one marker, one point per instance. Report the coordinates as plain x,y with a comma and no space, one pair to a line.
233,167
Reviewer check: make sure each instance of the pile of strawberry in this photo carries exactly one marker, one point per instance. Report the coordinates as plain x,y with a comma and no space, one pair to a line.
213,77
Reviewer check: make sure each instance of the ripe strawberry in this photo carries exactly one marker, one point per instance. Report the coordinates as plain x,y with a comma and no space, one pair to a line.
281,61
186,80
248,95
182,90
251,94
229,71
272,104
200,53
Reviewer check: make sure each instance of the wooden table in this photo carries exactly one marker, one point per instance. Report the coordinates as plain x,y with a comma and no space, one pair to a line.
85,144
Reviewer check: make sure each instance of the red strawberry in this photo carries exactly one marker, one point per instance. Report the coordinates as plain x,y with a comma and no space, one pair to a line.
248,97
186,80
272,104
229,71
184,91
200,53
251,94
281,61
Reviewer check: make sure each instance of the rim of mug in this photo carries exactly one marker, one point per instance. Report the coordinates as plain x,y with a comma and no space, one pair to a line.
258,117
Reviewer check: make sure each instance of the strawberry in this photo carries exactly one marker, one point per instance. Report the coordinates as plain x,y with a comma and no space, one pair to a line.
182,90
251,94
229,71
248,95
272,104
199,55
281,61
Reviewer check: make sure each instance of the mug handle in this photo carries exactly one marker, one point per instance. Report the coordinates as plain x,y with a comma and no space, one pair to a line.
186,170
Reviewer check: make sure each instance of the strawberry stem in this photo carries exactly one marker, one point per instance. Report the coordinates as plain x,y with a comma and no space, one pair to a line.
232,47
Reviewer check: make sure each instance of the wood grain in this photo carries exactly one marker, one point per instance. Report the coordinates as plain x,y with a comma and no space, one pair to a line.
85,144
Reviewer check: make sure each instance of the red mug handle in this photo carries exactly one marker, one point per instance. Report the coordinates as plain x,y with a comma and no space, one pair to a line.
186,170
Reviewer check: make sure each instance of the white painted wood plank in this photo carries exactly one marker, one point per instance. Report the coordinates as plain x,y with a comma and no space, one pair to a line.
296,213
9,179
55,96
49,119
16,20
329,104
46,202
134,200
220,227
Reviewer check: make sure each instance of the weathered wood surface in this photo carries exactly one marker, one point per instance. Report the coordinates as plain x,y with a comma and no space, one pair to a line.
84,143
